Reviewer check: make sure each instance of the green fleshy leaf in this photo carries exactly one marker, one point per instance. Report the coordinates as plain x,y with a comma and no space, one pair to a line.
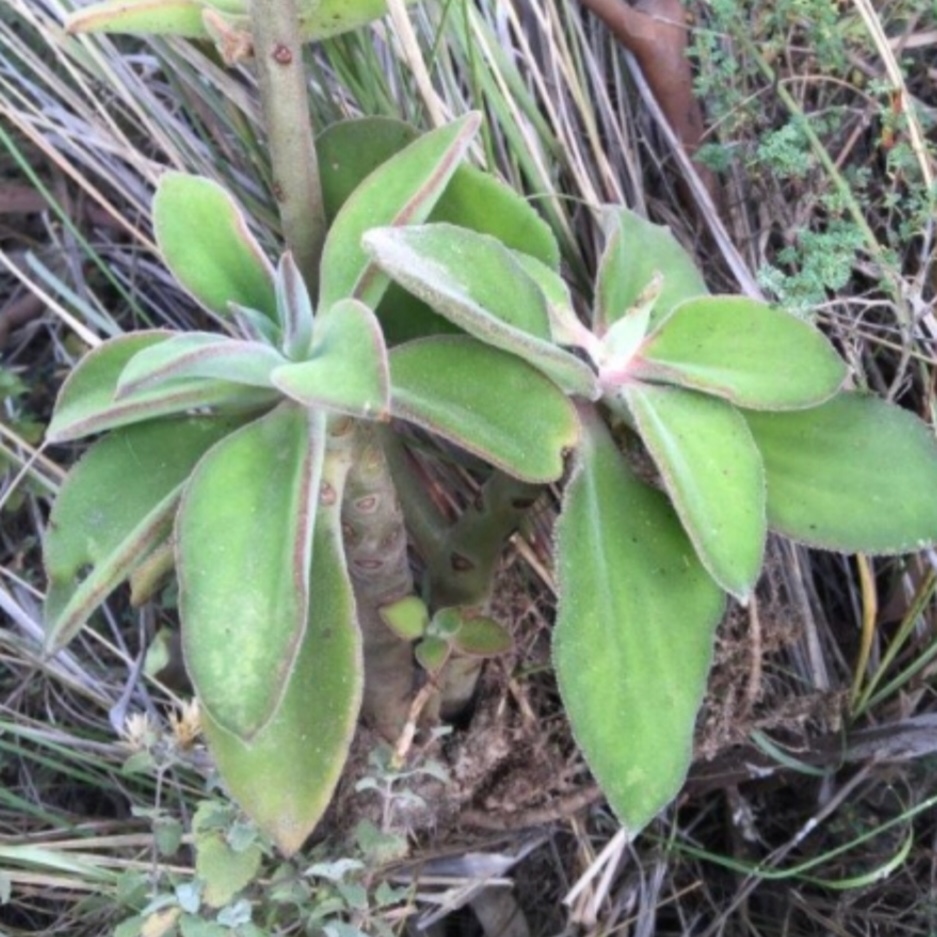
565,327
116,505
408,617
347,369
750,353
243,548
855,474
285,777
86,403
432,653
713,473
477,283
634,634
198,355
350,150
206,243
402,191
318,19
635,251
486,401
140,18
482,637
294,309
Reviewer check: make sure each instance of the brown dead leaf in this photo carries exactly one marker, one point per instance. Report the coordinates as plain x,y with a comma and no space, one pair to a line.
655,32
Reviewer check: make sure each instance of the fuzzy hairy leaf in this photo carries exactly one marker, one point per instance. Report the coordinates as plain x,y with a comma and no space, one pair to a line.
318,19
713,473
116,505
198,355
476,283
401,191
635,251
748,352
634,634
350,150
284,778
86,403
486,401
347,366
855,474
294,309
243,549
208,247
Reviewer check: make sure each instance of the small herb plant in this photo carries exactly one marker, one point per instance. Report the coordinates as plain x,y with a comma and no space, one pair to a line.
264,465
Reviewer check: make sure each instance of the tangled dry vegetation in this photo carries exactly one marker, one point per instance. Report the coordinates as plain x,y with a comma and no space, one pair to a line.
810,808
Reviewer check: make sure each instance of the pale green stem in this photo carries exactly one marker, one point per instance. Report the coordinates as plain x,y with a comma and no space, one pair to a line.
283,93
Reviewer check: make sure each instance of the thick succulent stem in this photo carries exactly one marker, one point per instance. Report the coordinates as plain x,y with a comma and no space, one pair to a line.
461,573
461,557
278,51
376,551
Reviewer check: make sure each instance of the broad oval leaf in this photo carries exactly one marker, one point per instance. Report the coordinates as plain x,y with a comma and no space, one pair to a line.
243,549
115,506
206,243
476,283
198,355
141,18
402,191
347,366
634,634
86,403
486,401
714,475
746,351
284,778
855,474
635,251
350,150
318,19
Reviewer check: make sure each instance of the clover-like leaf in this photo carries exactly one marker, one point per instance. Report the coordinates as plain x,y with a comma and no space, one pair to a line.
486,401
480,636
634,634
714,475
243,550
475,282
402,191
347,366
115,507
408,617
198,355
206,243
744,350
284,778
855,474
86,403
635,252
